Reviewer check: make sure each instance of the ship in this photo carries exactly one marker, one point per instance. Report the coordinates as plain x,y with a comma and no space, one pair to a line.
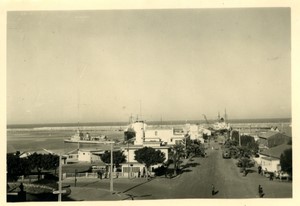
79,137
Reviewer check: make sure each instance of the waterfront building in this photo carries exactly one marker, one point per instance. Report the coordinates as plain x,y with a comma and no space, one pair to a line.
272,138
270,158
158,138
89,155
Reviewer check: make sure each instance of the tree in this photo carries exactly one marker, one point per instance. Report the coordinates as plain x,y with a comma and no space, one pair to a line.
16,166
229,143
176,153
194,147
286,161
249,142
244,151
149,156
245,163
235,135
43,161
118,157
205,136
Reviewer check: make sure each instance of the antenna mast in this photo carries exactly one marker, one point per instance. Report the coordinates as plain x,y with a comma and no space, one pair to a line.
140,109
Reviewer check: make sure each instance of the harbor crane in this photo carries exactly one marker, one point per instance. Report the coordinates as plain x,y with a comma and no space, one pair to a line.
205,119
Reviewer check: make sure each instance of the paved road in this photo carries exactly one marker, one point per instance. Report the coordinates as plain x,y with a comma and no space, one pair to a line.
196,180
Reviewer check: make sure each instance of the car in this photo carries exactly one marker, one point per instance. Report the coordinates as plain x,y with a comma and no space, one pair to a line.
226,154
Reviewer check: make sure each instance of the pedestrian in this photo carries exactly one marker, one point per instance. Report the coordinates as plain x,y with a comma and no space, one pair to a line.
271,176
245,172
21,187
259,169
100,173
212,190
139,174
260,191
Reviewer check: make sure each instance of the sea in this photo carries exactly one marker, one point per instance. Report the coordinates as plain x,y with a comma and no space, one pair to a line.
41,137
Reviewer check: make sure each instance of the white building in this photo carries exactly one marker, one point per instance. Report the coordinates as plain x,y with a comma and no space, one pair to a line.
132,168
89,155
139,127
194,132
157,138
164,136
270,164
270,158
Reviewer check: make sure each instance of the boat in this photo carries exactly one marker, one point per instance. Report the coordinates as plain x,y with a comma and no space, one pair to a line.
79,137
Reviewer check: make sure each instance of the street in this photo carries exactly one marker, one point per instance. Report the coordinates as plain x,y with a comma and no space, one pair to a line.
195,182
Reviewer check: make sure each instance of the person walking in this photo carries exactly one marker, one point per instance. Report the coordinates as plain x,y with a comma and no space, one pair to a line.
21,187
259,169
260,191
212,190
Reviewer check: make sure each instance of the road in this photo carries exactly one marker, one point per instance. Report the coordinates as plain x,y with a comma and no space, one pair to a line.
196,180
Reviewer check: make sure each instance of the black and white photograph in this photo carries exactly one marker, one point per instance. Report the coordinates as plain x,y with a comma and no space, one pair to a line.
149,104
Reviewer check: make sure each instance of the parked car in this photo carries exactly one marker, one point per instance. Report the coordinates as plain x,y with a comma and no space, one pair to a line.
226,154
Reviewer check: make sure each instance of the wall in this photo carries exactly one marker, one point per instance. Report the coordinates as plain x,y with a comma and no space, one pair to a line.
271,165
84,156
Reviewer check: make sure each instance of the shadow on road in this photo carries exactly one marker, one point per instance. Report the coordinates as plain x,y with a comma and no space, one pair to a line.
137,185
130,196
215,192
90,183
251,171
69,199
189,165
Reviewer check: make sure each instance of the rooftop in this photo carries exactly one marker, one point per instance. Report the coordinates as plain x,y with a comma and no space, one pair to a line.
269,134
275,151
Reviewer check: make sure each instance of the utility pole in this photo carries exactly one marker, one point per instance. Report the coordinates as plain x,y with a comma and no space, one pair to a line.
59,183
75,177
141,109
128,158
240,144
111,167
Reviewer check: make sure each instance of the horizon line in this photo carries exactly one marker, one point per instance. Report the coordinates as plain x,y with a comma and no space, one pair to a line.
178,120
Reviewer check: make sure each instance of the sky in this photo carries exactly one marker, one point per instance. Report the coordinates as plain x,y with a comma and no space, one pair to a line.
174,64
